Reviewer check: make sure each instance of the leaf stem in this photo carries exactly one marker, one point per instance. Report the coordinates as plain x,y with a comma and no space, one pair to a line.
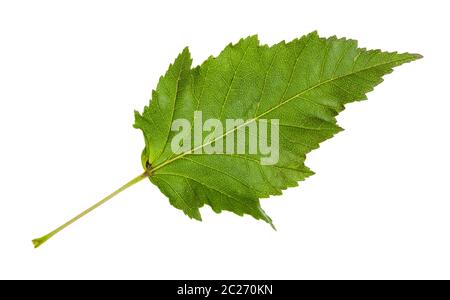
38,242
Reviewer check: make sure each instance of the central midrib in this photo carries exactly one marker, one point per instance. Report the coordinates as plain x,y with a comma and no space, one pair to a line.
274,108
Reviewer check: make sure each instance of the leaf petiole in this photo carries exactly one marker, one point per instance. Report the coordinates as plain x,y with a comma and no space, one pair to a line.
38,242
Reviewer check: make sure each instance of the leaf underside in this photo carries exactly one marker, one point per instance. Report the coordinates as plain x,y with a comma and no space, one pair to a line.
304,83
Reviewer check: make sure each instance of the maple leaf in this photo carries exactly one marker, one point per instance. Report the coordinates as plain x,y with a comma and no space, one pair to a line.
303,84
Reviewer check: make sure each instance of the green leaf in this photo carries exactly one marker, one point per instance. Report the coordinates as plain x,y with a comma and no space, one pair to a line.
298,88
304,84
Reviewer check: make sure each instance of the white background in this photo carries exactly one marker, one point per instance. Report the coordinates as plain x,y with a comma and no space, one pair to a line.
71,74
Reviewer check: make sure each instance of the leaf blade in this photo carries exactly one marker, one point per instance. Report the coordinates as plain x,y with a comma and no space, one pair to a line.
304,83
